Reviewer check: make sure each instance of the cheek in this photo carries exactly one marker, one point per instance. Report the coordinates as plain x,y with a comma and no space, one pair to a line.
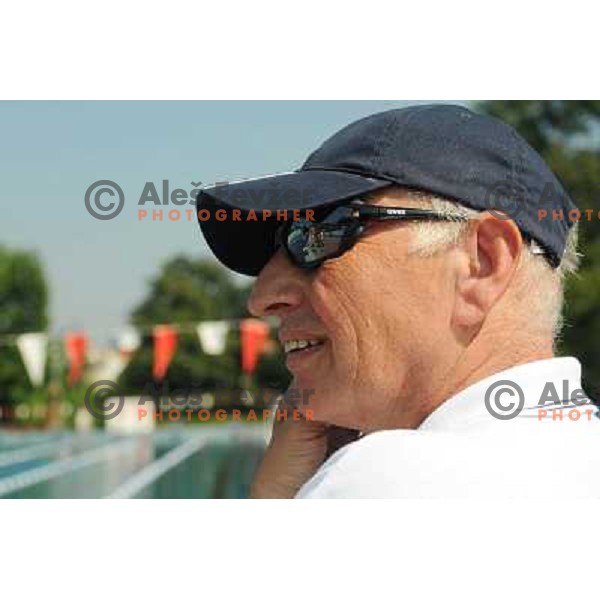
338,306
356,317
377,317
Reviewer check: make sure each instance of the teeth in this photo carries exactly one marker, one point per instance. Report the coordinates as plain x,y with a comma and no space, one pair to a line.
292,345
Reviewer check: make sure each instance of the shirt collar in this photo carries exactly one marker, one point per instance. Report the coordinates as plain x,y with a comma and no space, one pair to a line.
468,406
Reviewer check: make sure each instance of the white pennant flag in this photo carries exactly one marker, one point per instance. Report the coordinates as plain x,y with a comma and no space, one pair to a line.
33,348
129,340
212,336
108,365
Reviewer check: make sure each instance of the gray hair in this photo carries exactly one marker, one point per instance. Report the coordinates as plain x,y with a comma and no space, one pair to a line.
542,286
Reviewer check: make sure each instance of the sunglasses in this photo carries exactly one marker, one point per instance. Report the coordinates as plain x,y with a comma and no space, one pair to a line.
309,243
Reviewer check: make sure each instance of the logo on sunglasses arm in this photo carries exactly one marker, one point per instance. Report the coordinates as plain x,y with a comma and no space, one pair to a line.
396,211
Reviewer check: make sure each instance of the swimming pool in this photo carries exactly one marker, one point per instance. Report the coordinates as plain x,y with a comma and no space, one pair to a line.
209,461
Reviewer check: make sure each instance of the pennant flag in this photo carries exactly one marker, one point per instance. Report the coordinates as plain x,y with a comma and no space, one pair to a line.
165,343
108,365
33,348
212,336
76,347
129,340
254,335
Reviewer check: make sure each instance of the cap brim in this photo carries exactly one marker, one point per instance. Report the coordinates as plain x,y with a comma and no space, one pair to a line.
245,246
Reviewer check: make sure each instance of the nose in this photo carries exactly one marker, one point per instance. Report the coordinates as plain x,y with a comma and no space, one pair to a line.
279,288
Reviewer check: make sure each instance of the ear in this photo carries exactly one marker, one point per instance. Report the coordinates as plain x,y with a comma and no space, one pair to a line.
486,267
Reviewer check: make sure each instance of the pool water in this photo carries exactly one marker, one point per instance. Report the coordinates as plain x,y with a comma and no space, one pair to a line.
209,461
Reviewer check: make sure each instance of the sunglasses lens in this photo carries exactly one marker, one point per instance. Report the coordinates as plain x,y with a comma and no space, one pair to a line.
312,242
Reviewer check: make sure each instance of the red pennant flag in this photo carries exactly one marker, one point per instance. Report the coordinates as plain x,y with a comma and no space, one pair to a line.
165,344
254,336
76,347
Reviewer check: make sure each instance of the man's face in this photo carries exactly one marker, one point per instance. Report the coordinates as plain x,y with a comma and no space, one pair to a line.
382,318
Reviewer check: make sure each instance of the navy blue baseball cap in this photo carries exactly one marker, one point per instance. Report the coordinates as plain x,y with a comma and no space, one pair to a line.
450,151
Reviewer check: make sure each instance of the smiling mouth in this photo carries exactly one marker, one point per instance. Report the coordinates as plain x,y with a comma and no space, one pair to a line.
298,346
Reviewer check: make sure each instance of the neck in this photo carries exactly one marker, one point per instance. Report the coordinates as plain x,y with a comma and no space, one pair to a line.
474,372
469,366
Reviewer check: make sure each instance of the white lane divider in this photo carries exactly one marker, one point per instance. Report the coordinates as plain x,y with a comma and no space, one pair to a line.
152,472
14,483
20,455
149,474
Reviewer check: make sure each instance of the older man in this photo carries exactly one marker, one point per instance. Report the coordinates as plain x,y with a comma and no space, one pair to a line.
420,300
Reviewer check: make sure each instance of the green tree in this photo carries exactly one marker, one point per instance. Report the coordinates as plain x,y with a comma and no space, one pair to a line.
565,133
546,124
189,291
23,308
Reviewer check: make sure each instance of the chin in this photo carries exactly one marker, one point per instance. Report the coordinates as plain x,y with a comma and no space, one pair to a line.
325,409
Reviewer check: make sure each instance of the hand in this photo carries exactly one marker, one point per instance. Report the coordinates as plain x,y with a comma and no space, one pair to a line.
297,449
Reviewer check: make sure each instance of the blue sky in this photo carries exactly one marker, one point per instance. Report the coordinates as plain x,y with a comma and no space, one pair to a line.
50,152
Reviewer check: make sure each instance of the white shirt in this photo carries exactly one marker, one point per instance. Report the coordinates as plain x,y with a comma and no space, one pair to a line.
462,451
